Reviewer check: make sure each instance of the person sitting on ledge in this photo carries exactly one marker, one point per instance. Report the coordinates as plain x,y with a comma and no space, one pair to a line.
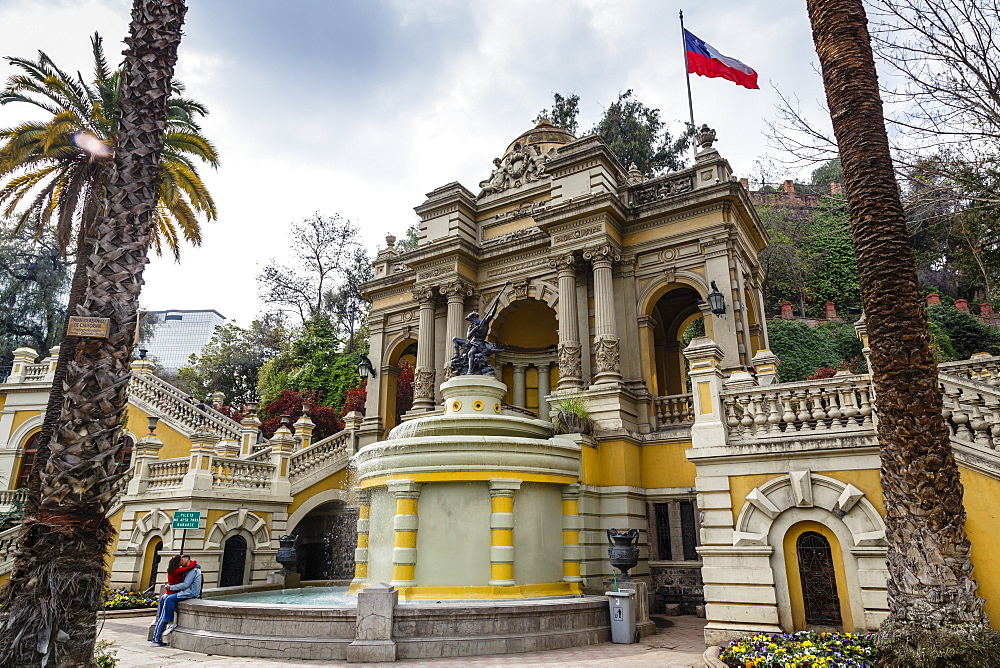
183,582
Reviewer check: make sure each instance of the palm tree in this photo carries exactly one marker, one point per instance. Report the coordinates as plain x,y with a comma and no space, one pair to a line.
50,602
935,616
60,169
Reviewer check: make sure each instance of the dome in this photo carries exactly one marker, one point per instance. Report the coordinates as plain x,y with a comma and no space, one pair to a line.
543,136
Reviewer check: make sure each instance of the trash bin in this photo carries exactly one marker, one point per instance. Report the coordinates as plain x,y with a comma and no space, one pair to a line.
622,604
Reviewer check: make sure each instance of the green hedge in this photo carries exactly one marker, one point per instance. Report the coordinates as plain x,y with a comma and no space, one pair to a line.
802,349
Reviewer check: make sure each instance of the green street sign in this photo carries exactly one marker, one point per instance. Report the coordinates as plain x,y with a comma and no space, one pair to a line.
186,519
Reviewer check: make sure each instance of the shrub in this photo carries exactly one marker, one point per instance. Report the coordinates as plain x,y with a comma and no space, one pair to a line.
104,656
802,349
968,336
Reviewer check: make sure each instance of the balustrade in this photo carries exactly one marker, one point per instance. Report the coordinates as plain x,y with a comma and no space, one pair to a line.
164,400
972,411
674,409
240,473
836,405
35,372
309,459
984,368
166,473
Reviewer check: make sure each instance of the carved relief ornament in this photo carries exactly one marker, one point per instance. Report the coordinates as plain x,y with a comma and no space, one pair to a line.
566,261
522,165
456,289
423,384
605,252
569,360
606,354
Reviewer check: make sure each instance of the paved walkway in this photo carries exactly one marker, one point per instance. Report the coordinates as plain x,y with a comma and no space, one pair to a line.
680,645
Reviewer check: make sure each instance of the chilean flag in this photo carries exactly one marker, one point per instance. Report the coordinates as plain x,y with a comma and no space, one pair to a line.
704,59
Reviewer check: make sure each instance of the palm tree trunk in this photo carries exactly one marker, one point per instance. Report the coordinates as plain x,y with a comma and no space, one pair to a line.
49,608
935,616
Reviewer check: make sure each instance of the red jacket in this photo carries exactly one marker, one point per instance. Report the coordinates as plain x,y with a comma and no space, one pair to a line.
177,576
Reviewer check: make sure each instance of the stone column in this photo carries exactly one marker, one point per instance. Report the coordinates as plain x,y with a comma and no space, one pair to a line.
705,357
373,641
455,326
520,396
282,445
147,451
404,553
502,531
606,350
304,431
570,373
544,390
423,375
361,551
572,552
248,433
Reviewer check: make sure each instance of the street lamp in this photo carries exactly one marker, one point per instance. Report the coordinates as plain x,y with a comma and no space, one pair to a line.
716,301
365,368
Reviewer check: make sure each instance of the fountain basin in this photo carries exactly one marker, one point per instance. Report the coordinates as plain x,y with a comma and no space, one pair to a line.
215,625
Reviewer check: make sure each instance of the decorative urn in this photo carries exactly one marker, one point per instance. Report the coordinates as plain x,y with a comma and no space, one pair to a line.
287,555
624,550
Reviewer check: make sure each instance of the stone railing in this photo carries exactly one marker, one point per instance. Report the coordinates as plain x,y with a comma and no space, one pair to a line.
166,473
230,472
34,373
832,407
339,446
972,410
11,498
673,410
8,545
262,455
163,400
984,368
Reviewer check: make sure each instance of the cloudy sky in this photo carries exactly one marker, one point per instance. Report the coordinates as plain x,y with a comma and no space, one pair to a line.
361,107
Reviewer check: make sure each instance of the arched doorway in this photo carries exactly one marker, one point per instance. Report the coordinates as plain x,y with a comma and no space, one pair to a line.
527,331
818,580
671,314
327,538
396,382
234,562
151,564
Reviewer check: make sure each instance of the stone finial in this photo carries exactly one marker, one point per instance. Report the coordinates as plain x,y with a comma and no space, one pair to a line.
390,240
962,305
705,137
634,175
831,311
985,310
786,310
933,299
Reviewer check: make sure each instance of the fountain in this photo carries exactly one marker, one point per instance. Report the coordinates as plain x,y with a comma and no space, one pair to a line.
468,518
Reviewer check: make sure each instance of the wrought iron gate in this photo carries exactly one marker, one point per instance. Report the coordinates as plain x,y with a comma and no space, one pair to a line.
819,582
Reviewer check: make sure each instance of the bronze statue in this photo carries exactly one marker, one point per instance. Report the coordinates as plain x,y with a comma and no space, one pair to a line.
473,352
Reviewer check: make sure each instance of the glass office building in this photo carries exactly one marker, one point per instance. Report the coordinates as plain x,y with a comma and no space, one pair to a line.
179,334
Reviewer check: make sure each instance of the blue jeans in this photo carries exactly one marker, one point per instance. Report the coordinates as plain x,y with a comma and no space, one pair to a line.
164,615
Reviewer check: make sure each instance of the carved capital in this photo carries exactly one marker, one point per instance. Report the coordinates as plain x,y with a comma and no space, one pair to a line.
605,253
569,360
606,354
423,384
423,296
563,263
456,290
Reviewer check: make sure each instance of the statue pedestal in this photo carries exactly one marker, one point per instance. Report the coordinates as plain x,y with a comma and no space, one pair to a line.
473,395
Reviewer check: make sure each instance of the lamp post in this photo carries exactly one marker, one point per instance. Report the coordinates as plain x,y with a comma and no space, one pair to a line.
716,301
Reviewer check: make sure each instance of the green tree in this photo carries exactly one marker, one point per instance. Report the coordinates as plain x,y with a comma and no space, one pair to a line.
966,335
34,281
410,241
636,135
827,173
935,617
51,600
310,364
634,132
232,360
563,112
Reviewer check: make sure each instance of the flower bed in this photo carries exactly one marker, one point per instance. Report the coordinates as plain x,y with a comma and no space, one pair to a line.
123,599
803,648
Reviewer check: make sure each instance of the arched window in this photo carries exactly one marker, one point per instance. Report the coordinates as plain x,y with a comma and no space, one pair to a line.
28,461
124,456
819,581
234,558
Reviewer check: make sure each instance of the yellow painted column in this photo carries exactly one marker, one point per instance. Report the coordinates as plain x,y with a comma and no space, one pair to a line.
361,551
572,553
502,531
404,552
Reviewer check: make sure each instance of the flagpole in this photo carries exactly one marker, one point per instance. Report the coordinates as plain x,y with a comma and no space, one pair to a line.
687,73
